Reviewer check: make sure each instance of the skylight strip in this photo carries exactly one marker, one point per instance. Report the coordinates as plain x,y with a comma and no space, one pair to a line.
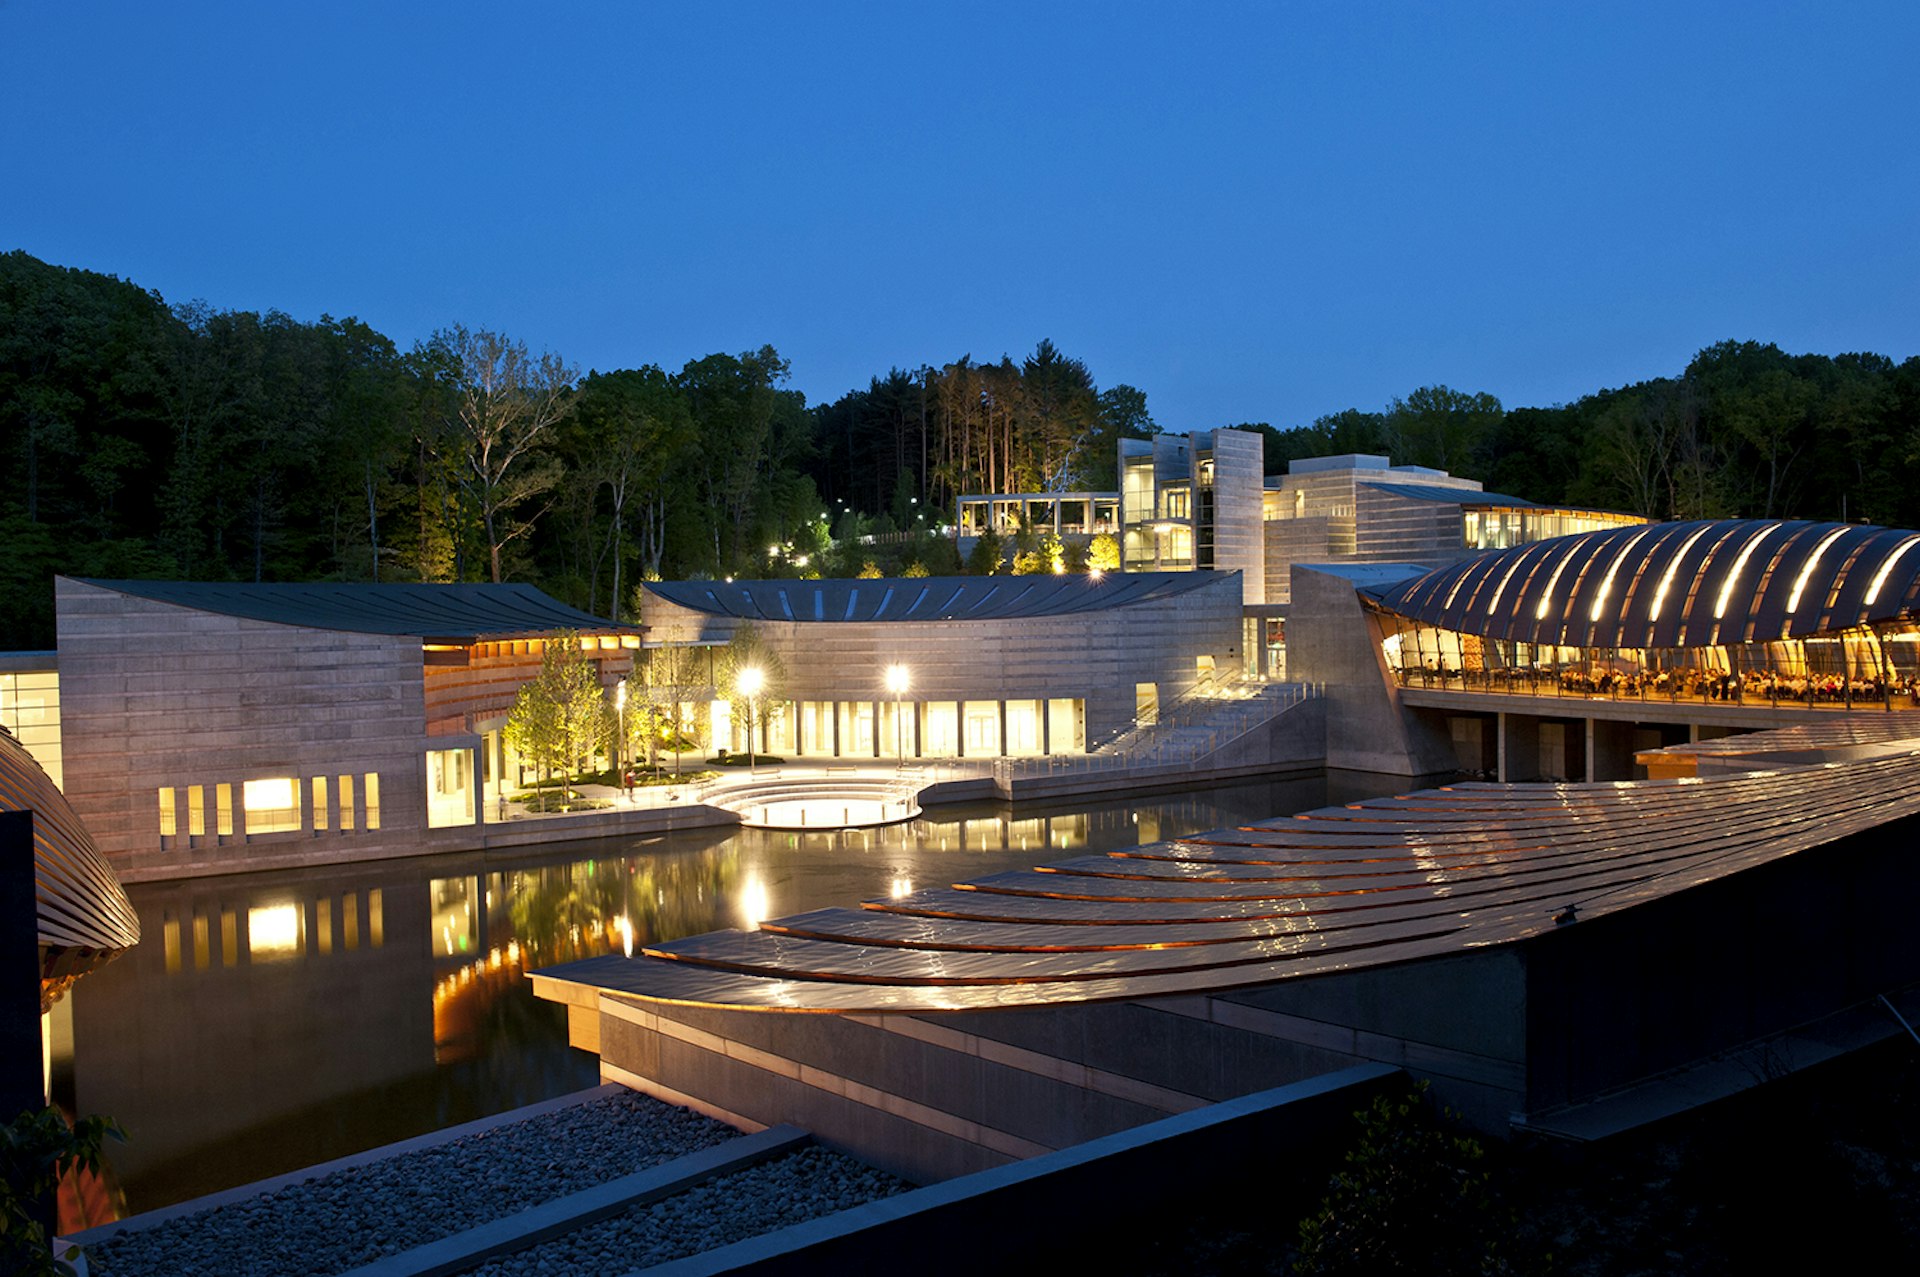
1606,582
1733,577
1806,572
1886,568
1666,579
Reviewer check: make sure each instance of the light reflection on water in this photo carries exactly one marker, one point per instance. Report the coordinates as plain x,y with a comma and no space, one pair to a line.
287,1018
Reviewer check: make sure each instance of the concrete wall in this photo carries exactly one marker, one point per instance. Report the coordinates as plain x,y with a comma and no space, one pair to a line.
1095,656
156,695
1239,545
1330,640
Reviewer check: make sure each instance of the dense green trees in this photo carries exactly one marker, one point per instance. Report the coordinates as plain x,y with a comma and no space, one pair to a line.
148,440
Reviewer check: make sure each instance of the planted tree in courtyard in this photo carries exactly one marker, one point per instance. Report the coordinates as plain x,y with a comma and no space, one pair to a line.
560,718
665,680
1103,554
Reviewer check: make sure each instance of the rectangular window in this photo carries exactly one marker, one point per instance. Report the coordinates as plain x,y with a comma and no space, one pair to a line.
167,826
1023,727
1146,703
196,810
449,788
371,793
271,805
346,802
940,729
319,804
1066,727
223,810
982,722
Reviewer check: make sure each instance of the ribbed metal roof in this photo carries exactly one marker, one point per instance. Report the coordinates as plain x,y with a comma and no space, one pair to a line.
85,917
1673,585
448,613
1387,880
930,598
1439,492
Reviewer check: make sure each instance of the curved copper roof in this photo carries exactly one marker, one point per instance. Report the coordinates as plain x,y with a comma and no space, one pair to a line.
1440,872
932,598
85,916
1673,585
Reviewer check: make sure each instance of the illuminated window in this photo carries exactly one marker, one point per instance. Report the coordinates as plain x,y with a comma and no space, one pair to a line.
346,802
1023,727
319,803
449,788
223,810
196,810
167,828
371,793
1066,726
982,722
940,729
271,804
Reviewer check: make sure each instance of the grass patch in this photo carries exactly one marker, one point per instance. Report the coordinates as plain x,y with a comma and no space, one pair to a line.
724,759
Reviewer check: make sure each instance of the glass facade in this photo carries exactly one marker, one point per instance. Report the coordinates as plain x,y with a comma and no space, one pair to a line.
30,709
450,789
1865,665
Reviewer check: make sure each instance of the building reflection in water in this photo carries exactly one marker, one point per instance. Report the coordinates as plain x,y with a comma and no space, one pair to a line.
289,1018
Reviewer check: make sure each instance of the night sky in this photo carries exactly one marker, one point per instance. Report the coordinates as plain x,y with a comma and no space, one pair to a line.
1253,213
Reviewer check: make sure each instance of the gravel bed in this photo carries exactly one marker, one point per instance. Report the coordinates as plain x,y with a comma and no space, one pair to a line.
790,1190
355,1216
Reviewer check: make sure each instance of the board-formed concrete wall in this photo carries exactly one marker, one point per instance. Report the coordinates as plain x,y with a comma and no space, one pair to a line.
154,695
1330,641
1095,656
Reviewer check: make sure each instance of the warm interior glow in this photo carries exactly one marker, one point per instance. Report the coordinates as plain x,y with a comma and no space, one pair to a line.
273,931
272,794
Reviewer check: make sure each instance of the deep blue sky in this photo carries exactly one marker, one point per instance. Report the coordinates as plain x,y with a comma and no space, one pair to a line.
1250,212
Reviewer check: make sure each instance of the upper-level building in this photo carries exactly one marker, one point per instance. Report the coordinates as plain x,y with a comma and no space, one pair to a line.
1359,508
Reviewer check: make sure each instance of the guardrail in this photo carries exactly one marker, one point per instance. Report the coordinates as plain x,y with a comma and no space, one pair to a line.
1162,745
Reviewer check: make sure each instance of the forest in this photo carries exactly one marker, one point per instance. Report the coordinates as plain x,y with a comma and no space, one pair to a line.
171,440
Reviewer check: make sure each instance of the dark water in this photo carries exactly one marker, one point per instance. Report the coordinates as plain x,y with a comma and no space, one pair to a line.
270,1021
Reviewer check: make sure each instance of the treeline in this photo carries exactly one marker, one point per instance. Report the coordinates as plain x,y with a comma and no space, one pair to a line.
178,441
150,440
1746,430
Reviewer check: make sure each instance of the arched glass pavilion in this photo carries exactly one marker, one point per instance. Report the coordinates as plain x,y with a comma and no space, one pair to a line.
1788,612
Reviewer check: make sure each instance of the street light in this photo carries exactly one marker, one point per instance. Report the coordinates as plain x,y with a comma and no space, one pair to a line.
897,680
752,679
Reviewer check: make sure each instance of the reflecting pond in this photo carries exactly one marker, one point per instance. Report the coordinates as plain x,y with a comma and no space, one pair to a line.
271,1021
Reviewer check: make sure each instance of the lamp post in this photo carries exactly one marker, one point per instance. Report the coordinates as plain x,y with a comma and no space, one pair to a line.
752,679
897,681
620,707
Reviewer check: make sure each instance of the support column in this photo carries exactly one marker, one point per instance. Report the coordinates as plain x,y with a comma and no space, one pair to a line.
1500,747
